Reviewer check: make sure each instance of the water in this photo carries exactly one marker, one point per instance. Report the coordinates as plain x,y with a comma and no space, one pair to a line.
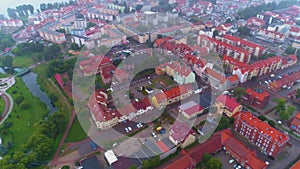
2,71
30,81
13,3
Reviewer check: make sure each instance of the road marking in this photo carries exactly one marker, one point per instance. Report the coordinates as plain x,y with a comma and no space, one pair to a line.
144,153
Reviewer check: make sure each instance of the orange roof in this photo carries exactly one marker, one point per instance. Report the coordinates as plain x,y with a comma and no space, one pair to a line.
173,92
229,102
296,165
262,127
233,78
182,163
255,94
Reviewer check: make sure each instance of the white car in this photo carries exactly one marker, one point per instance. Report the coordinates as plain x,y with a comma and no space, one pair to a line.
126,130
129,128
153,134
279,122
231,161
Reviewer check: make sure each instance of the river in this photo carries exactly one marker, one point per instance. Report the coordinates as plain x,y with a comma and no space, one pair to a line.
30,80
13,3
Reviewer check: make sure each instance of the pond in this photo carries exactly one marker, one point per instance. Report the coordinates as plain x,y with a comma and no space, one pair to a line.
30,80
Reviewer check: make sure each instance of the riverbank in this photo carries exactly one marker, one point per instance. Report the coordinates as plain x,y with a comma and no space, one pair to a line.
23,117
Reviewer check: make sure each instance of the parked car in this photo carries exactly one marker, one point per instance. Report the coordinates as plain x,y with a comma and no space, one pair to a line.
231,161
93,146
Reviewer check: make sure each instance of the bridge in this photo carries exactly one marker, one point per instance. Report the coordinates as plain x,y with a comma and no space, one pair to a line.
23,72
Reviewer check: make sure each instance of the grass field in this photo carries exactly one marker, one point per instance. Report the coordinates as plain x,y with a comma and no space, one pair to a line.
76,132
23,120
23,61
3,75
2,105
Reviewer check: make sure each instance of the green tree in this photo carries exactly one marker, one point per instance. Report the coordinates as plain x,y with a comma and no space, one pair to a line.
214,163
244,31
272,123
239,92
290,50
262,118
285,114
12,13
41,145
90,24
280,105
215,33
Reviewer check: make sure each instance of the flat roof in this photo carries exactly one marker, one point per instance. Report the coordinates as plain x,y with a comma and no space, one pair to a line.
110,157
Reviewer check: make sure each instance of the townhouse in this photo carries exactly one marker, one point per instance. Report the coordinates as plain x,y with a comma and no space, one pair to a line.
223,48
248,71
49,33
181,134
287,81
172,95
254,49
256,97
268,139
106,116
190,110
180,73
225,140
227,105
271,36
295,123
11,23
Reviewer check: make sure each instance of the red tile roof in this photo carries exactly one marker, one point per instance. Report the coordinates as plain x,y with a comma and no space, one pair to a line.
258,96
296,165
229,102
194,109
184,162
173,92
263,127
179,131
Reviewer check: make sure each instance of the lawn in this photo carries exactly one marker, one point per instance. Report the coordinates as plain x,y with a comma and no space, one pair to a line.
23,120
76,132
23,61
3,75
2,105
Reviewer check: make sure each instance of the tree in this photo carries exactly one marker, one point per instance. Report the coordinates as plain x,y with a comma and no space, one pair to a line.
272,123
285,114
139,7
239,92
298,94
41,145
133,166
214,163
262,118
244,30
30,8
90,24
215,33
280,105
12,13
290,50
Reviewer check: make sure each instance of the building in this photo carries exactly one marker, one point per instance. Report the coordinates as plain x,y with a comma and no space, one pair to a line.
221,140
246,71
268,139
94,64
223,48
11,23
172,95
180,73
181,134
256,98
295,123
286,82
271,36
190,109
227,105
110,157
296,165
254,49
49,33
